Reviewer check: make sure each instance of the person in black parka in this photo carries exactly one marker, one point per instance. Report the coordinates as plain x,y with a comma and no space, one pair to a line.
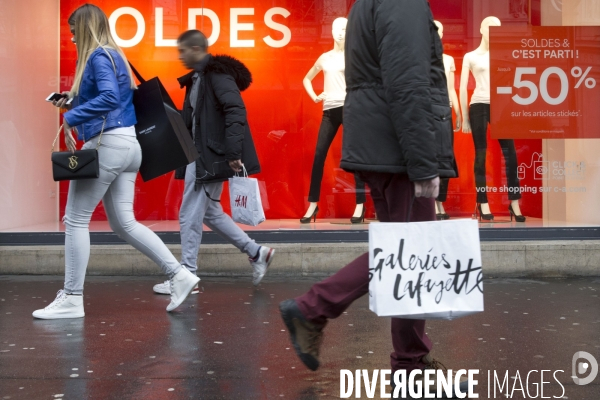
398,138
222,133
215,115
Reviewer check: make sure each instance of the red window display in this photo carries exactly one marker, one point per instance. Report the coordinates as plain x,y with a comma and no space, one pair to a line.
280,42
477,152
283,43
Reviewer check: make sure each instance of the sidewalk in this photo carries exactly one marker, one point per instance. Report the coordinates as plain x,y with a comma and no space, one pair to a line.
229,342
500,259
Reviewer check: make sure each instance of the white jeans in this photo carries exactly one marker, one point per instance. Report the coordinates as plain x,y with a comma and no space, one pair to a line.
120,157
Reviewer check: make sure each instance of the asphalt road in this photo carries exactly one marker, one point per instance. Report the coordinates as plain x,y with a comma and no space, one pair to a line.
229,342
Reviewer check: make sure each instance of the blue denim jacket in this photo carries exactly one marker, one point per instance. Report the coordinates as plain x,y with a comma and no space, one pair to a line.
105,91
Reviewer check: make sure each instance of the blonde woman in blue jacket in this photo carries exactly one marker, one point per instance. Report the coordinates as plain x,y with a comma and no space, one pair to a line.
103,113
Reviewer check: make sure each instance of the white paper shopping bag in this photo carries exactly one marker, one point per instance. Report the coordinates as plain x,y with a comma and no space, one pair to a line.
244,197
425,270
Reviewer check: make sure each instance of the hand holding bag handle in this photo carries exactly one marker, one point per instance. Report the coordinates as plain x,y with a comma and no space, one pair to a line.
62,127
244,197
245,175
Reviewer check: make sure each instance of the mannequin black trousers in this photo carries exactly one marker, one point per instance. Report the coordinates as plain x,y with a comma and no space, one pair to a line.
479,114
443,196
330,124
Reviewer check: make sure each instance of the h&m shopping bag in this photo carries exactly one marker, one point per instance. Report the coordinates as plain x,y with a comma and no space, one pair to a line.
425,270
165,140
244,196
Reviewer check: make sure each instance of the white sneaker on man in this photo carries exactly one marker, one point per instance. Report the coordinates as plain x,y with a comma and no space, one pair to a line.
64,306
261,264
165,288
182,285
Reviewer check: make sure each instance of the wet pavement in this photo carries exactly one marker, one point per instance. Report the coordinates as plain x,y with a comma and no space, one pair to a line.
228,342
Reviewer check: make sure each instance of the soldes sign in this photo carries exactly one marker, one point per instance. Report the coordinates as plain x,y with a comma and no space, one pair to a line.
277,40
237,24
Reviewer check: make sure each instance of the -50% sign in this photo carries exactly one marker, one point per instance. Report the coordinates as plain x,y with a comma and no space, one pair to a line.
521,81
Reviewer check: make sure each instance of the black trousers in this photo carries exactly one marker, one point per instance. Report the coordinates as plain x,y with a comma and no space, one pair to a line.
479,114
330,124
444,183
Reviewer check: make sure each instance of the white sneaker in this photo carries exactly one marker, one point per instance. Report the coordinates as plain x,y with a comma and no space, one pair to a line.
165,288
265,257
64,306
182,285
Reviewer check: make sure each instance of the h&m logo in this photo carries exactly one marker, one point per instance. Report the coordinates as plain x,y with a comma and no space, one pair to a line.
241,201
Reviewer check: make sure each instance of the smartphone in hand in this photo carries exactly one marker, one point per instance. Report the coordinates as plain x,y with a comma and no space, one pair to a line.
59,96
55,97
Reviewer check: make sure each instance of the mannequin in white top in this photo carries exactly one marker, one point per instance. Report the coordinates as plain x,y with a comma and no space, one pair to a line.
332,64
475,120
450,69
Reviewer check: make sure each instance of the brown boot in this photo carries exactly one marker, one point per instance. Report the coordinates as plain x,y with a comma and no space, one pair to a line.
306,337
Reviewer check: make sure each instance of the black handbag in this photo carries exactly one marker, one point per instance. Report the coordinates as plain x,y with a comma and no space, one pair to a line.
80,164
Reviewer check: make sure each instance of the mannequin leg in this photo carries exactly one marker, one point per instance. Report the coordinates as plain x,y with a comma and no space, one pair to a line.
358,211
332,119
510,160
515,206
439,207
361,198
439,202
361,195
310,211
444,183
479,114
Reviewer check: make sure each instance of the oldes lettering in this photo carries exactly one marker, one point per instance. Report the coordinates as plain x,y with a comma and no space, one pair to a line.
283,33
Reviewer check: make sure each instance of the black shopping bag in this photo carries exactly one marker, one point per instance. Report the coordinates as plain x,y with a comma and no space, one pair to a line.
165,140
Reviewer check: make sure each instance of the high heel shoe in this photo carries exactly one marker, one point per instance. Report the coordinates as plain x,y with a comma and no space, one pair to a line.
518,218
482,216
361,219
442,217
306,220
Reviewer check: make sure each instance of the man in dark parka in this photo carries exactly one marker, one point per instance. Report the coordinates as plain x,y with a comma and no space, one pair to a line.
215,115
398,138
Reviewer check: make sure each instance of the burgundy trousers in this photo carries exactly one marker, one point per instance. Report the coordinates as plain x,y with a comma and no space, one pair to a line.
392,195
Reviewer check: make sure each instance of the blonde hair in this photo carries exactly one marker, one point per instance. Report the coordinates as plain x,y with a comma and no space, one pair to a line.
92,31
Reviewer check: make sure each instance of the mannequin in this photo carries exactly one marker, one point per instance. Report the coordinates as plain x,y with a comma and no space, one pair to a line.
450,68
332,64
475,120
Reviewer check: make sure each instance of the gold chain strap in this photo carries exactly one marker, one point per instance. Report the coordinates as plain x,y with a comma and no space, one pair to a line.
62,127
55,139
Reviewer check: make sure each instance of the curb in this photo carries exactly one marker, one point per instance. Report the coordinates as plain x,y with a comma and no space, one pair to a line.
500,259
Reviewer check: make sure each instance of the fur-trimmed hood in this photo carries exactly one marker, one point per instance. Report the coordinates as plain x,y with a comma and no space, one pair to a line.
221,64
